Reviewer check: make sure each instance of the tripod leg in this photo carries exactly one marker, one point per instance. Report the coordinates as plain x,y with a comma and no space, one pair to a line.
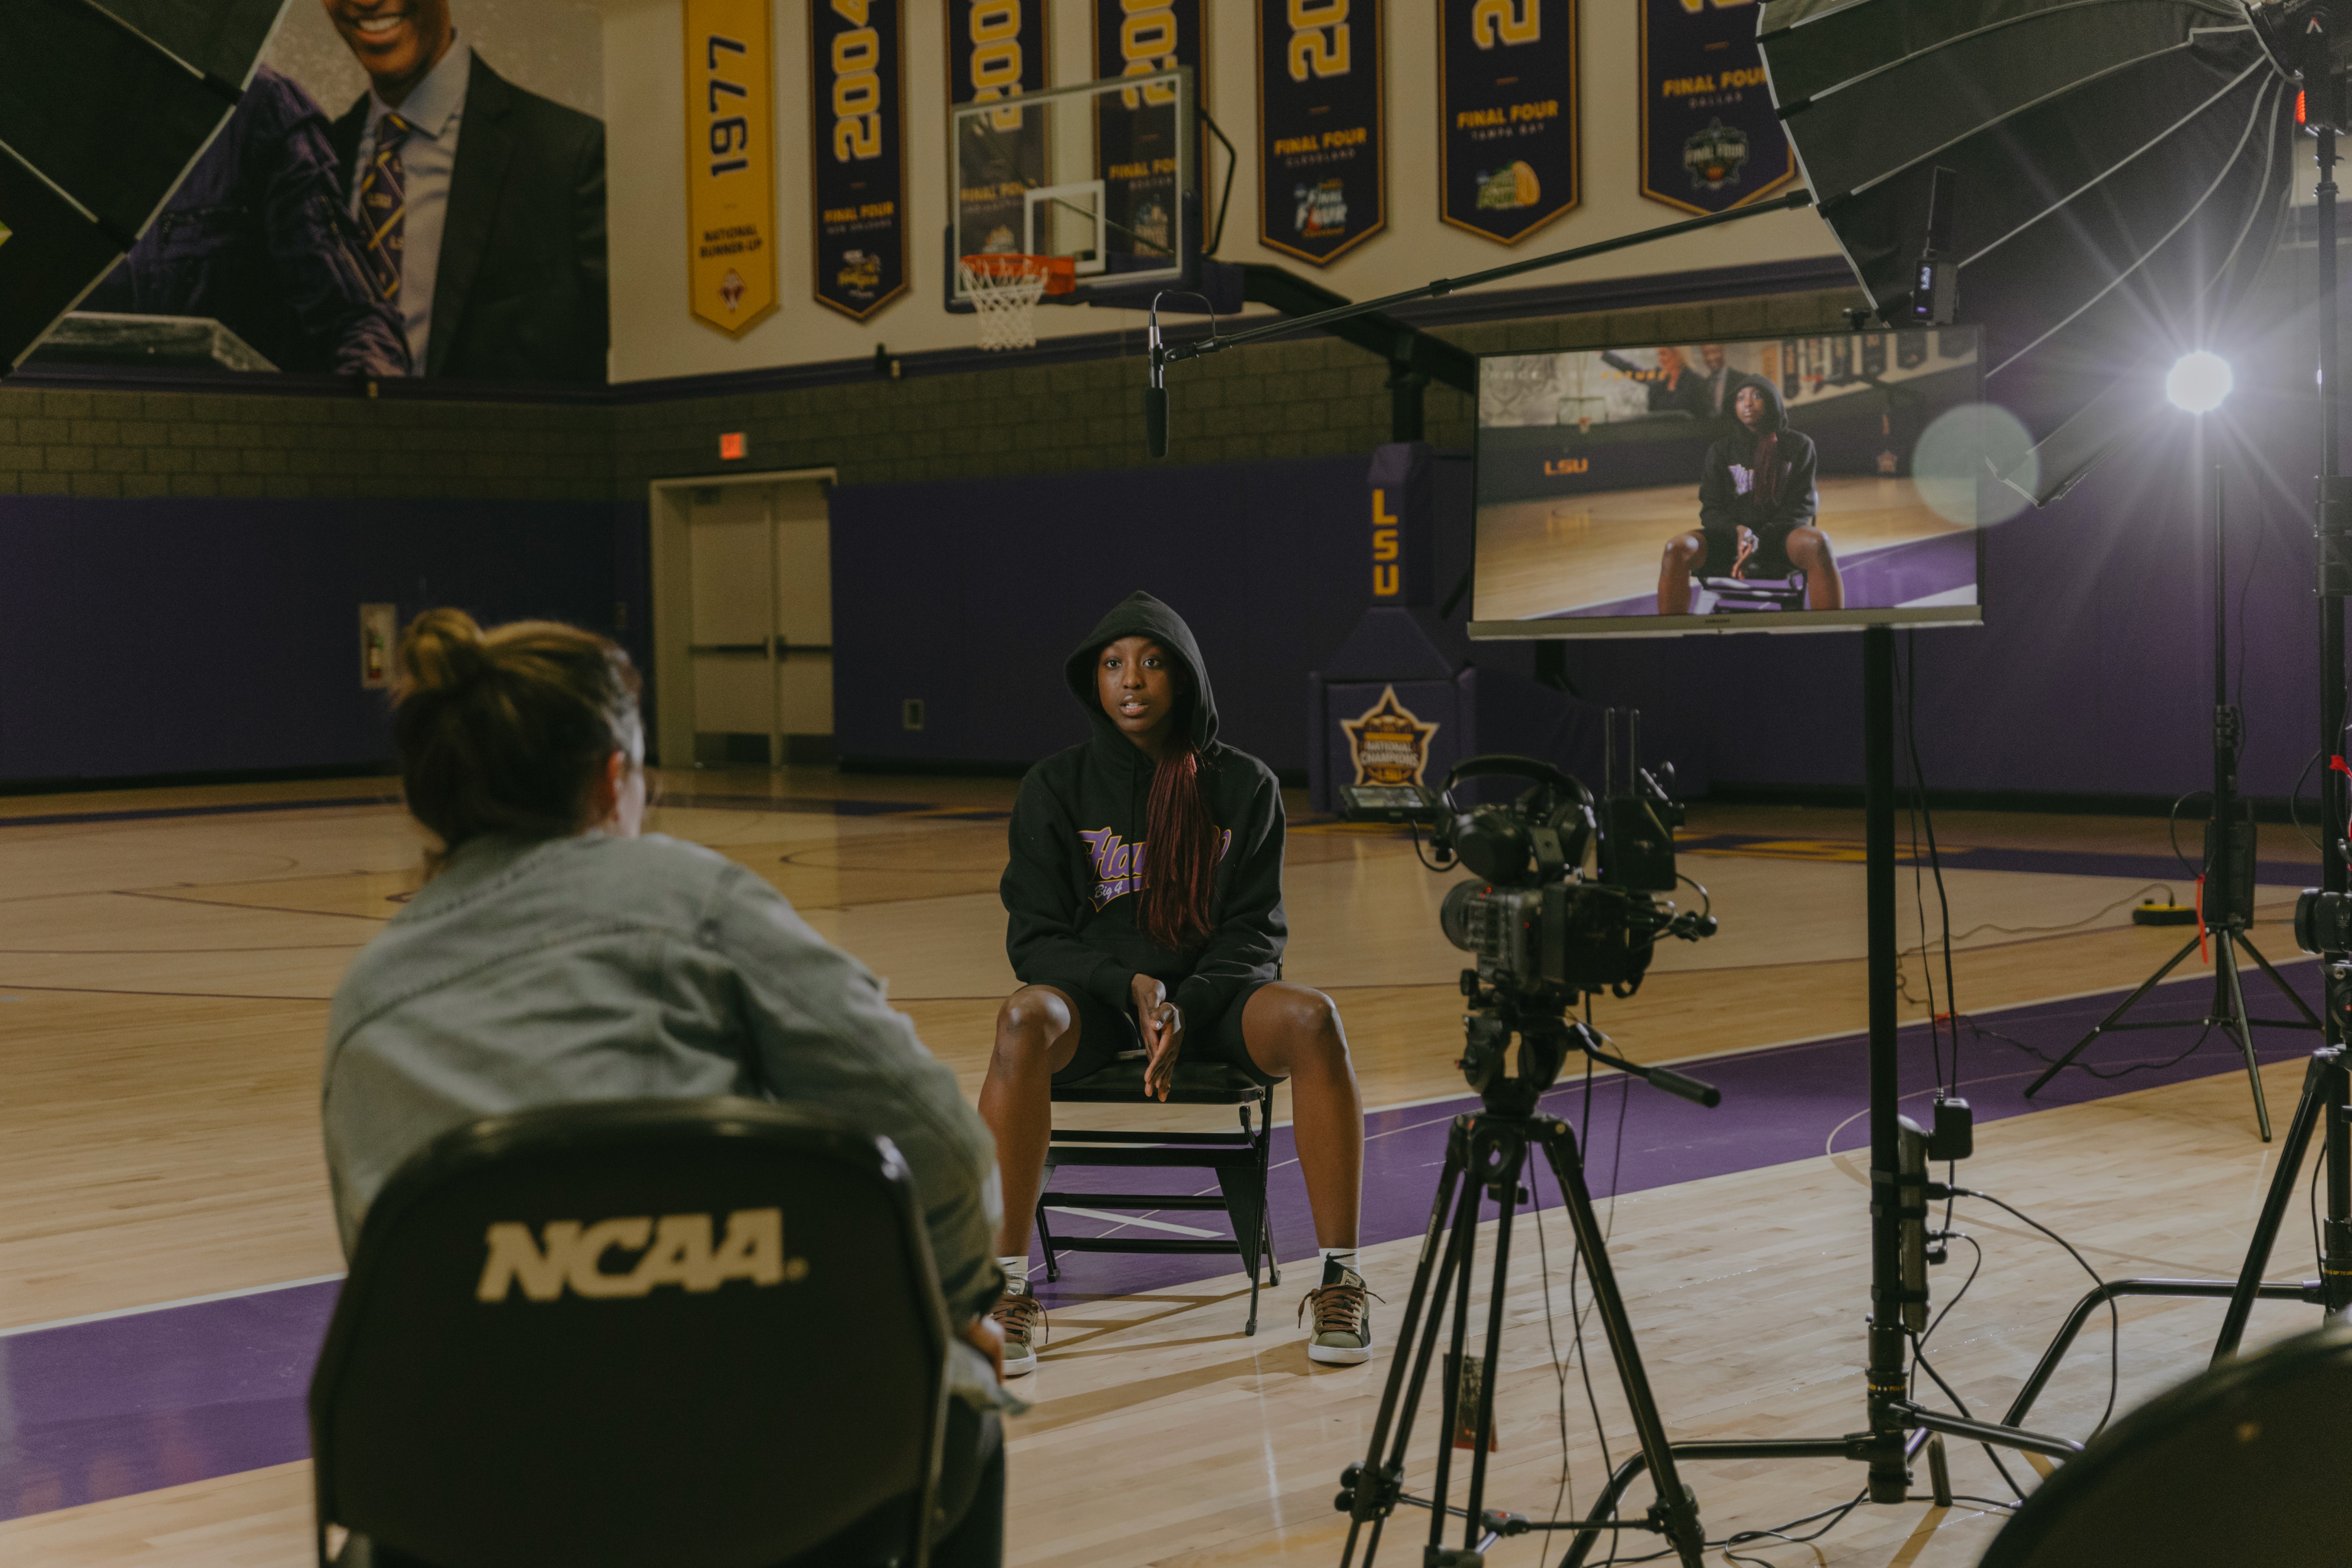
2234,1018
1677,1511
2291,993
1465,1250
2106,1022
1373,1483
1507,1170
2316,1079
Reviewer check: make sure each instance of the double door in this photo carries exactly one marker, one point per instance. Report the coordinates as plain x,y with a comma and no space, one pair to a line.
760,623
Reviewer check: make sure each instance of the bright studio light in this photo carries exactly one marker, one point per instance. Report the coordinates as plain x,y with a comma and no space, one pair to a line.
2198,382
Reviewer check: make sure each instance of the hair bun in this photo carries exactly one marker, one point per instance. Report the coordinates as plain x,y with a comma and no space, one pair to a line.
440,651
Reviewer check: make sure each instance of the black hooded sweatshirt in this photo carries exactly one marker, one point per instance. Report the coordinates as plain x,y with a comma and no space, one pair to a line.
1070,891
1730,490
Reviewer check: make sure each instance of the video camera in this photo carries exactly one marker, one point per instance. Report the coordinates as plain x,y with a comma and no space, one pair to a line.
1563,903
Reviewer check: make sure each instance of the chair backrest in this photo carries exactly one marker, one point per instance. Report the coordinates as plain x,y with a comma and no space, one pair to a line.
2243,1463
669,1332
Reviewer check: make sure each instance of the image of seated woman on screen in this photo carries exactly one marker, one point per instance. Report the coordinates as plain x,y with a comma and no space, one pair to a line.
1757,503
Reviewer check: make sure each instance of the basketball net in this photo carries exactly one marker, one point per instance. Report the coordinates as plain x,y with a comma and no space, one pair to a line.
1005,290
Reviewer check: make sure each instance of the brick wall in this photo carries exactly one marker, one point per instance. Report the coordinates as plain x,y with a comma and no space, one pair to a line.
1311,398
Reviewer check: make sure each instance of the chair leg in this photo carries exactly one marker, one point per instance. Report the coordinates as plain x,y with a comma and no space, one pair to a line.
1264,1181
1046,1236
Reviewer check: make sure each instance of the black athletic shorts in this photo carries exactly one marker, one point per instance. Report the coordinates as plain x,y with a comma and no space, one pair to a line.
1106,1033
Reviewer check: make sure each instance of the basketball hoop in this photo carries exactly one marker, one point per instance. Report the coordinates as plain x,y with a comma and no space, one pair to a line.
1004,288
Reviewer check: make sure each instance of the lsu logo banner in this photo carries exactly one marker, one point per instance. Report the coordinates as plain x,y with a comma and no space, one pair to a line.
1507,123
1323,168
675,1249
730,183
1710,140
1387,743
857,152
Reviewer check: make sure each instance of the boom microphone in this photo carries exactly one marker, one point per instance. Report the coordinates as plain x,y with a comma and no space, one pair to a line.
1155,416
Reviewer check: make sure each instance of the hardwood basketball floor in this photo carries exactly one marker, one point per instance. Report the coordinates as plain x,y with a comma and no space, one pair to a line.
165,959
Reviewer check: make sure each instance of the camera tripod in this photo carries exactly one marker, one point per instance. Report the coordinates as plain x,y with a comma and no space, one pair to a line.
1487,1151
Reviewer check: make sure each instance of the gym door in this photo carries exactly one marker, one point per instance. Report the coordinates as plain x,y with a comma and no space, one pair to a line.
761,636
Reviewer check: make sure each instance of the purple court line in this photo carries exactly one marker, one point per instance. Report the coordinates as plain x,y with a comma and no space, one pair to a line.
2047,862
106,1409
1891,575
161,813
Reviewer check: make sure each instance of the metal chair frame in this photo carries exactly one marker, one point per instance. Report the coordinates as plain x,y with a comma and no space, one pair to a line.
1242,1161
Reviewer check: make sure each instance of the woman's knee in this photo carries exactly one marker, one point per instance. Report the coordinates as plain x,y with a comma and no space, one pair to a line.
1686,549
1030,1020
1309,1024
1810,547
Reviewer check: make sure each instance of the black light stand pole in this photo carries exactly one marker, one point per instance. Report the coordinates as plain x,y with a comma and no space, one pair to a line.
1889,1370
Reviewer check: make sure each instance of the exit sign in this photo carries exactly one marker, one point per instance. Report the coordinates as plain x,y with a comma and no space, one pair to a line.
731,446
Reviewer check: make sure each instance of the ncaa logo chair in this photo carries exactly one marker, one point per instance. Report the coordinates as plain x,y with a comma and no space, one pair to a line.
586,1335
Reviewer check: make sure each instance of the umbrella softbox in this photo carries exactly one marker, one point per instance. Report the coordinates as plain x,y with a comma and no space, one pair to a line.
104,106
2119,168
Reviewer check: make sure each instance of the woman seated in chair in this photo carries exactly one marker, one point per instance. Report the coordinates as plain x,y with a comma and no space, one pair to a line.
1144,900
554,955
1757,503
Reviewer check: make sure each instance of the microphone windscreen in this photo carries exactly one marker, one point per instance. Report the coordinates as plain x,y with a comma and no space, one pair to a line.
1155,420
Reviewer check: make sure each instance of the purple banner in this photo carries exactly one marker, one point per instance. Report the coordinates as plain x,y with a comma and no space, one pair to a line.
1710,141
1506,120
997,49
1322,140
858,140
1135,154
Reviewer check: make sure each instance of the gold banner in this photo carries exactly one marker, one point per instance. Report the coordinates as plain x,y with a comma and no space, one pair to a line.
731,185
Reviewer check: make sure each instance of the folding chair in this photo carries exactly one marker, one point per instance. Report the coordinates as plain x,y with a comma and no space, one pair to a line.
1240,1160
665,1331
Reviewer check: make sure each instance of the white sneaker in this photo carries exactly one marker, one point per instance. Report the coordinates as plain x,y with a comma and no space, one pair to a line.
1343,1334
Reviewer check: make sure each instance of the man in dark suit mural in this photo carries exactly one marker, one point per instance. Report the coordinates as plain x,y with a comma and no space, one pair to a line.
482,205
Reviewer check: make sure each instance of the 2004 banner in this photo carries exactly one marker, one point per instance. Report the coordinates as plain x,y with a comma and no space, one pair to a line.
730,187
1323,141
1710,141
997,50
857,147
1506,120
1132,155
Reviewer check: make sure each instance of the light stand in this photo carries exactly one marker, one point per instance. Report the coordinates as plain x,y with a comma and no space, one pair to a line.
2226,893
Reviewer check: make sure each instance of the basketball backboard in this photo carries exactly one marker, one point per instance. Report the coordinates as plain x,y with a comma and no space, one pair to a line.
1103,173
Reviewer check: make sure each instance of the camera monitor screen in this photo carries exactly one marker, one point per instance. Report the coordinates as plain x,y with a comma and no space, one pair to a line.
1780,484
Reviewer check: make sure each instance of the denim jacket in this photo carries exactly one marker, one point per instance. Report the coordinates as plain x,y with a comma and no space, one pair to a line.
528,973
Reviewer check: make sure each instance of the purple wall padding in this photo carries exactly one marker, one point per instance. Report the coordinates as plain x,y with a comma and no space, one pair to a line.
971,594
170,637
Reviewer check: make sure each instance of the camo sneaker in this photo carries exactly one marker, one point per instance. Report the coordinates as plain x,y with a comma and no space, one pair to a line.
1024,1322
1343,1334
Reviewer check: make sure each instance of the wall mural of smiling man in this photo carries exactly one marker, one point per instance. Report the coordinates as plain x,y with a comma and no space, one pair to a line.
482,205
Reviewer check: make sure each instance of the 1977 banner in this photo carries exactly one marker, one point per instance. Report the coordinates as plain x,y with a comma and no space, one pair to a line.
1507,120
1323,143
1137,37
996,48
1710,141
857,144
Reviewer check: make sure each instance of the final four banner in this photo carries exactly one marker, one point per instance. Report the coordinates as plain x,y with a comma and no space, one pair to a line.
1507,120
1322,140
857,141
996,48
1136,38
1710,141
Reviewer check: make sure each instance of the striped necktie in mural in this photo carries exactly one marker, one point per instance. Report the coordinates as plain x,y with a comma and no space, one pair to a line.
384,205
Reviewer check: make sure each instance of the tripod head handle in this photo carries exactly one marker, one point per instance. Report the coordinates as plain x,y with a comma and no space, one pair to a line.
1588,1041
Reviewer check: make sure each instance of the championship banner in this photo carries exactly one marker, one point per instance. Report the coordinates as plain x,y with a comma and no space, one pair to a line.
731,186
1136,38
997,49
858,140
1322,140
1710,141
1507,123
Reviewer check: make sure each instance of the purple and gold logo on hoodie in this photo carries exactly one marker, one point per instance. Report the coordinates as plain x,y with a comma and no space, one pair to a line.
1118,865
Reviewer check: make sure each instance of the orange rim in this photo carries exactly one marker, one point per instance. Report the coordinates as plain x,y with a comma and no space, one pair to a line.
1060,272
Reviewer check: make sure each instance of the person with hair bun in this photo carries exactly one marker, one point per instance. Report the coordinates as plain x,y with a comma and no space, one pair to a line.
558,955
1144,905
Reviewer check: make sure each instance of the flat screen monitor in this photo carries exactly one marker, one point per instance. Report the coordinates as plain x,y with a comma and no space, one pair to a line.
1774,484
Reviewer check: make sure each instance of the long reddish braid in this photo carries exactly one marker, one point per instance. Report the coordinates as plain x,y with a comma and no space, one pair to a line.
1179,855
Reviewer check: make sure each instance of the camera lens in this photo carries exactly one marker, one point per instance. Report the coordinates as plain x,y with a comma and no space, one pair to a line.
1463,915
